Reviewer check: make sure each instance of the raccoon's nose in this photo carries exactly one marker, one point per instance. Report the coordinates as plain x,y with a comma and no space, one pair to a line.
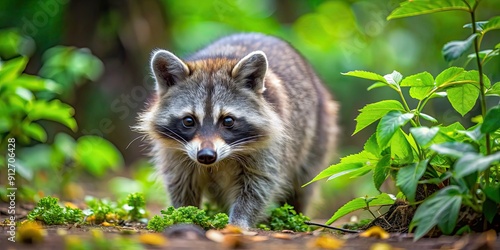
207,156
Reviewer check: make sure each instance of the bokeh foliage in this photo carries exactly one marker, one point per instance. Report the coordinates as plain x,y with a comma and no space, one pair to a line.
335,35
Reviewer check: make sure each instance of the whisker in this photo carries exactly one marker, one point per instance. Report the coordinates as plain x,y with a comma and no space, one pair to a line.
169,130
143,137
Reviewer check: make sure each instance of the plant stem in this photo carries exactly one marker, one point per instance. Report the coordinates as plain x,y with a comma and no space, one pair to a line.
482,98
330,227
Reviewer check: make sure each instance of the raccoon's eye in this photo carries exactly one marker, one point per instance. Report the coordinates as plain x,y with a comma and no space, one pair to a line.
228,122
188,122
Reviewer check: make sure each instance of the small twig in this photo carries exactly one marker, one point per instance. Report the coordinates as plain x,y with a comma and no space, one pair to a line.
330,227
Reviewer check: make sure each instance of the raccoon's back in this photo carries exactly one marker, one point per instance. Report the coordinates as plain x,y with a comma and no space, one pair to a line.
283,59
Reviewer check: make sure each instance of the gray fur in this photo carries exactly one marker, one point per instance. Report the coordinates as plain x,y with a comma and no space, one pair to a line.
256,79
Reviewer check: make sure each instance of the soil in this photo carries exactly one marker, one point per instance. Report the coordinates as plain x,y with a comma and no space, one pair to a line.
190,237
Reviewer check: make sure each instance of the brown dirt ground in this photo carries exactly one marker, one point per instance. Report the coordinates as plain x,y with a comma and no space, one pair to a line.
187,238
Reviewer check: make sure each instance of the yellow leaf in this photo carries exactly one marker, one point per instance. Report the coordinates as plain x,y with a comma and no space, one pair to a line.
153,239
30,232
231,229
70,205
106,224
381,246
326,242
375,232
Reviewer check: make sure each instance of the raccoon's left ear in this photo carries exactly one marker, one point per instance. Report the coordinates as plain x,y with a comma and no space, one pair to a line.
168,70
251,70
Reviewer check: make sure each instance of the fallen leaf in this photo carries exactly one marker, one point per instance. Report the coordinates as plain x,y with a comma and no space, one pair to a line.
214,235
106,224
70,204
375,232
283,236
61,232
231,229
326,242
258,238
153,239
30,232
381,246
233,241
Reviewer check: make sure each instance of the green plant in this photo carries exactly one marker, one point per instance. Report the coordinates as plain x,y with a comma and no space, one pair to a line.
50,212
462,164
189,215
28,101
285,217
137,204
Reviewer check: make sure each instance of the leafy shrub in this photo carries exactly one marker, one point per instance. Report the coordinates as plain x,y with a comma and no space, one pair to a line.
463,163
187,215
25,100
50,212
285,217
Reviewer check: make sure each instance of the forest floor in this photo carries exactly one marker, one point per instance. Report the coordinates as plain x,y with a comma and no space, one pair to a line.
189,237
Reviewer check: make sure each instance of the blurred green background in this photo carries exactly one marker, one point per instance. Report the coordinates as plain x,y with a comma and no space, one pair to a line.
334,35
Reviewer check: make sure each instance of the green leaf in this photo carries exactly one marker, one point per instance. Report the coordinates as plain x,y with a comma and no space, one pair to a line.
393,78
428,117
463,97
389,124
97,155
371,146
35,83
473,162
424,135
360,203
492,193
454,49
491,121
336,170
420,7
34,131
479,25
492,24
374,111
474,133
453,149
366,75
438,95
407,178
449,75
54,110
11,69
472,76
484,53
440,209
494,90
421,84
376,85
401,150
381,171
490,210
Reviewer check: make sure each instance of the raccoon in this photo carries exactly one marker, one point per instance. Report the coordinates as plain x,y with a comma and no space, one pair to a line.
244,122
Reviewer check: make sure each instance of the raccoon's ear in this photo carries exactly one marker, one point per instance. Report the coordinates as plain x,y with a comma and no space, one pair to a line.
168,70
251,70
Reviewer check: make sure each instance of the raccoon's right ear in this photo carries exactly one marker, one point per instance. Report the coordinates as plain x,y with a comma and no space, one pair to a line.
251,70
168,69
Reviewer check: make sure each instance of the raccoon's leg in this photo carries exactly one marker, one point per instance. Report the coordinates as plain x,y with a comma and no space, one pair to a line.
254,196
183,188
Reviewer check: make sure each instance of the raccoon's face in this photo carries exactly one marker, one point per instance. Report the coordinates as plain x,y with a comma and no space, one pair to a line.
210,109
